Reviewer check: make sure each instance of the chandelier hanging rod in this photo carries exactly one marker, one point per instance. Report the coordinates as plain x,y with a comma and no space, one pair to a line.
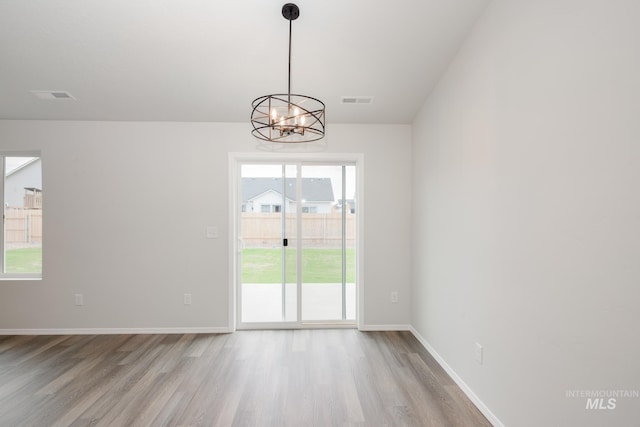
290,18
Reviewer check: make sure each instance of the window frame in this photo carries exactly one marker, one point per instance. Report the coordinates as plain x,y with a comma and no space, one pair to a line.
3,155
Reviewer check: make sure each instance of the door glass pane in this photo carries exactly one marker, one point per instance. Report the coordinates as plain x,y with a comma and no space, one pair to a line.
268,268
23,215
328,247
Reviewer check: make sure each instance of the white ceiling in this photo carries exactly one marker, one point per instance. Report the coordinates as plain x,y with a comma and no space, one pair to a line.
206,60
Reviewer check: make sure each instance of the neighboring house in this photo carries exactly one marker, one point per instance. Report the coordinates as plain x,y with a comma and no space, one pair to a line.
25,180
265,195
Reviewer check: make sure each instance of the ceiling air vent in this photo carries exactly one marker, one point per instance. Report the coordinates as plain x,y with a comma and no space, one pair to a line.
357,100
52,94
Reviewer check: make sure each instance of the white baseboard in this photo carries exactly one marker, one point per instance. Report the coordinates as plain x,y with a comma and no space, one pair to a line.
115,331
463,386
142,331
372,328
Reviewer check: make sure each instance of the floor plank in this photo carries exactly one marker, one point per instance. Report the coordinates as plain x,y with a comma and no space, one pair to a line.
333,377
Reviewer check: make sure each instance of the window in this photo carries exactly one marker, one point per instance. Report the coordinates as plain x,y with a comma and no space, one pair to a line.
21,233
270,208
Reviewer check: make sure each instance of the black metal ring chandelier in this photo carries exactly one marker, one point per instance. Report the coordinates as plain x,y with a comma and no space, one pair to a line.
288,118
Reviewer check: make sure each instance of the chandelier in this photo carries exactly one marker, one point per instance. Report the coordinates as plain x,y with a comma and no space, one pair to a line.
288,118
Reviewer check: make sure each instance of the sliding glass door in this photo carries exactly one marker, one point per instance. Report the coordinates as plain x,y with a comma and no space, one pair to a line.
297,237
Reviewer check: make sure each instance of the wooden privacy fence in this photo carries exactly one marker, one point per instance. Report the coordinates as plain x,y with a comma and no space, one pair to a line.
259,230
23,225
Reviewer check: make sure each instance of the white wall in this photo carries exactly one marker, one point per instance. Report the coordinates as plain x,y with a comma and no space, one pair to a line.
527,210
125,215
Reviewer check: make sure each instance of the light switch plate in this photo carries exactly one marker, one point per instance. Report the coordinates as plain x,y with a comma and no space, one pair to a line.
212,232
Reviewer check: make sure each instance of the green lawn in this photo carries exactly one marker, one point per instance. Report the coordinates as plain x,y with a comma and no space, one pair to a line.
258,265
318,265
27,260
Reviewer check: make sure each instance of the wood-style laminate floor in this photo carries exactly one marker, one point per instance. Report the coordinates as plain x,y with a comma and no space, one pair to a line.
338,377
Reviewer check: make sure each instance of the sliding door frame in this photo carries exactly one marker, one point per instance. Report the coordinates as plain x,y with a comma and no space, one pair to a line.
235,245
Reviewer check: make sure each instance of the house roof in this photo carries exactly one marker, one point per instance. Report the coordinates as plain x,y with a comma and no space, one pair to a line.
313,189
23,166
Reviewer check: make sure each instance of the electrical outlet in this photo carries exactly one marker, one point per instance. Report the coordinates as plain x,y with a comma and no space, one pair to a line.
479,355
187,299
79,299
394,297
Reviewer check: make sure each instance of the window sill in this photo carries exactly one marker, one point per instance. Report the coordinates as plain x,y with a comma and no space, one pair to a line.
20,278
